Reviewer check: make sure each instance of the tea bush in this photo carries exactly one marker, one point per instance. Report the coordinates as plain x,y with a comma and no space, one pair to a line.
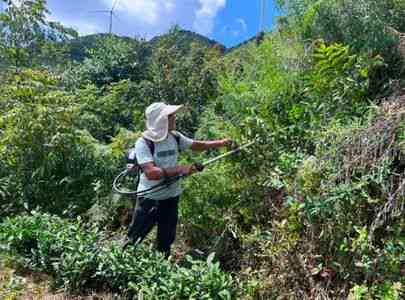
80,258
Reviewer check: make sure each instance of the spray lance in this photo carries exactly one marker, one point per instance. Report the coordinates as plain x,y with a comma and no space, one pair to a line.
117,183
149,223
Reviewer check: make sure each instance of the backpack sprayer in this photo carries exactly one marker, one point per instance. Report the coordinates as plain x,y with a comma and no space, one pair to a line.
134,170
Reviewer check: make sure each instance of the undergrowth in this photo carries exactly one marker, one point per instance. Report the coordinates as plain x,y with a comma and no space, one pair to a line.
80,261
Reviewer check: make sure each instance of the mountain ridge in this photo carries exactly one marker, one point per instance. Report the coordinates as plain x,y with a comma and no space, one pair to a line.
78,47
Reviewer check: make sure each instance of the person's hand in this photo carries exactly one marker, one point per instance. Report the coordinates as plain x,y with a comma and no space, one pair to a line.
199,166
132,169
187,169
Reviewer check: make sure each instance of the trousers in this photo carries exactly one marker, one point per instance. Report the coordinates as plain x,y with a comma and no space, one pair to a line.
147,214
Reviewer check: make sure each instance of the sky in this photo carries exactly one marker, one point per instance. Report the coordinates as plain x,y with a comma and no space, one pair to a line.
229,22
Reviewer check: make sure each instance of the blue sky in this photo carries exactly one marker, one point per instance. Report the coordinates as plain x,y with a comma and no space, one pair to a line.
227,21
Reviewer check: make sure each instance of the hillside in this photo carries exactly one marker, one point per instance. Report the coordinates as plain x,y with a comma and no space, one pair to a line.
183,39
78,47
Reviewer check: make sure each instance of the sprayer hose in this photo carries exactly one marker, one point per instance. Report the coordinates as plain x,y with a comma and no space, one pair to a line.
168,181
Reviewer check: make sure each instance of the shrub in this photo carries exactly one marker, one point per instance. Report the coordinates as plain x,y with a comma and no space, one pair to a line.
361,24
45,155
79,261
113,59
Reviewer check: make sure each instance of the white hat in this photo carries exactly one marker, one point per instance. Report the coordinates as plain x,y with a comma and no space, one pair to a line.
157,121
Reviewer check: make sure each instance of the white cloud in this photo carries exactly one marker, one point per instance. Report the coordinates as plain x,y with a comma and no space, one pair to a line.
154,16
235,33
145,18
205,16
144,10
242,22
170,6
234,30
82,27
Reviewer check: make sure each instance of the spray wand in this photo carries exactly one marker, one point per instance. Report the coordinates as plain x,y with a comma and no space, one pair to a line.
164,184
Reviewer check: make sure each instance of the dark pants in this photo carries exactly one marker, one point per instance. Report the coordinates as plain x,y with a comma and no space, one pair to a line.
148,213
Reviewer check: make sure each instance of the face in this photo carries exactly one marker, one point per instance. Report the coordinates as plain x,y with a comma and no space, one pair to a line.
172,122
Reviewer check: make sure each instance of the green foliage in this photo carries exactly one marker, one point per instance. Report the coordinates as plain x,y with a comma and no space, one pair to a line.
27,38
182,40
307,215
105,112
361,24
4,184
386,291
79,260
310,175
113,59
343,190
188,79
313,209
393,12
252,103
343,77
284,97
47,157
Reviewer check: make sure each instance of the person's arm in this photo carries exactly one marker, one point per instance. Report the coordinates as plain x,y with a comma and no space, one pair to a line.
207,145
153,172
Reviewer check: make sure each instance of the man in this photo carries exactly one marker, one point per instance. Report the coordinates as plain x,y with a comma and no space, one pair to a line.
157,152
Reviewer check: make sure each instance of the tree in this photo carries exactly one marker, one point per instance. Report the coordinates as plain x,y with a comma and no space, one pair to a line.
44,156
362,24
185,78
114,59
27,38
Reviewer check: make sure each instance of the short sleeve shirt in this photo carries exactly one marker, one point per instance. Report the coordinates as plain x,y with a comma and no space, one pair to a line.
165,156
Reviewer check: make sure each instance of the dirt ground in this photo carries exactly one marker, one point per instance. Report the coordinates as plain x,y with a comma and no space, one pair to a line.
22,285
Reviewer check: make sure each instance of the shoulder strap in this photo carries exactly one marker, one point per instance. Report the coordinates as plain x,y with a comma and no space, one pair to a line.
151,145
177,138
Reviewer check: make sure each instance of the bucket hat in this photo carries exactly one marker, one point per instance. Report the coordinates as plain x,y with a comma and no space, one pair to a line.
157,121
